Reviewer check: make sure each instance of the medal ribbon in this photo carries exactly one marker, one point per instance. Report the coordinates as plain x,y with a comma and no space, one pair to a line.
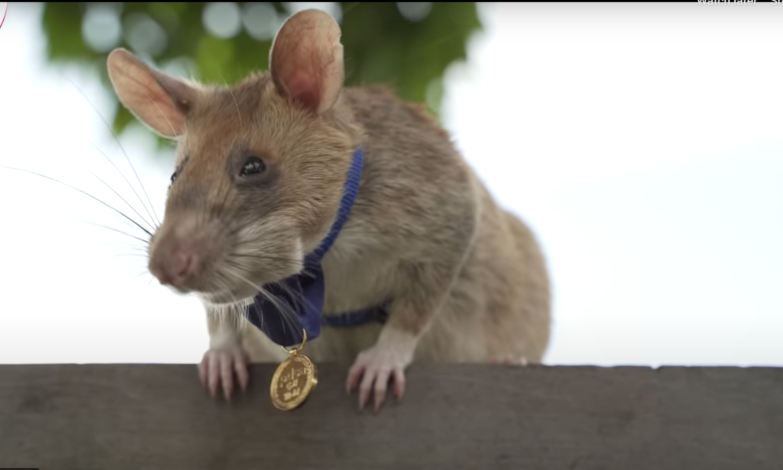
303,293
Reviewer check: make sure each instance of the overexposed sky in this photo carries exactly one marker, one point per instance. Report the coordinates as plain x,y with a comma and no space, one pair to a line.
642,142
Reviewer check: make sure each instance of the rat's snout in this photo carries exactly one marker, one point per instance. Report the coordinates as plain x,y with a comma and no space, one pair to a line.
175,266
178,255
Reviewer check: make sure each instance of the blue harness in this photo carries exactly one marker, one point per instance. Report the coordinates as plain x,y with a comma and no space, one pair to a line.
303,293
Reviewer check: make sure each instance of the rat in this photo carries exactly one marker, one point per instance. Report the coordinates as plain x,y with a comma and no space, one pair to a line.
266,168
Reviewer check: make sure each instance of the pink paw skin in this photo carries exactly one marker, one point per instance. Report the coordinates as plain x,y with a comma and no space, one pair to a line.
217,368
372,373
509,360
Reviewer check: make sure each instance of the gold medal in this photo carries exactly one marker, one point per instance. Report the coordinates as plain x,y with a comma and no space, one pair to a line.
293,380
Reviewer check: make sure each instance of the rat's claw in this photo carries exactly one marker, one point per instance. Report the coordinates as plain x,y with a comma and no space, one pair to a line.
240,368
371,374
227,375
399,383
213,372
381,382
375,383
365,389
202,371
354,376
217,370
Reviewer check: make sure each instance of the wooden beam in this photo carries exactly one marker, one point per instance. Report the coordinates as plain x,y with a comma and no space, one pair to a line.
134,417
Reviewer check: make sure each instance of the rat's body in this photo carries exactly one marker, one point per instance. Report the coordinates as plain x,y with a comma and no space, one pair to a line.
260,173
419,203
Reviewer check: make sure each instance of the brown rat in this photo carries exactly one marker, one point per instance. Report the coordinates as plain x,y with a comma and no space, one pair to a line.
260,172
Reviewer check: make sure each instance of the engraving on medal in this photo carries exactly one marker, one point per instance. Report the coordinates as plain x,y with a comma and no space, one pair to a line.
292,382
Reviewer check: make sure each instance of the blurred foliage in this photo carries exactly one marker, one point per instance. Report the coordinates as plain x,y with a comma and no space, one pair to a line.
405,45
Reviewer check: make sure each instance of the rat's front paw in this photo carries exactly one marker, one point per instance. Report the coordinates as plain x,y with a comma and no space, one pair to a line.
373,370
218,366
509,360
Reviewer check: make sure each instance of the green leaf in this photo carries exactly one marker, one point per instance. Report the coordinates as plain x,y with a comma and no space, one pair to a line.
381,45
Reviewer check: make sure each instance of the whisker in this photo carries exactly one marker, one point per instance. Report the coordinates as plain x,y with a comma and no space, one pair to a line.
234,311
117,255
138,269
146,242
235,100
287,314
240,311
151,225
297,297
121,148
81,191
126,180
128,246
262,257
137,276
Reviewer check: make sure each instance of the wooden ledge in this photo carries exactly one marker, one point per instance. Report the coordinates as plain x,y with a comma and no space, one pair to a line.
134,417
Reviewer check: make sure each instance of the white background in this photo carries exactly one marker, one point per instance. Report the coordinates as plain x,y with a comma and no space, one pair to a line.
642,142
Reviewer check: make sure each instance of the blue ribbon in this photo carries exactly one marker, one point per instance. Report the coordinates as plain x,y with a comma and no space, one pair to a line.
303,293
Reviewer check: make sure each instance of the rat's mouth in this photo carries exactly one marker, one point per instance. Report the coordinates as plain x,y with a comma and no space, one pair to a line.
181,290
224,293
225,271
226,297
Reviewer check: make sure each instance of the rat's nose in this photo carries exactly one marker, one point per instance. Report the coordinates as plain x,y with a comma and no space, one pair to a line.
182,268
175,267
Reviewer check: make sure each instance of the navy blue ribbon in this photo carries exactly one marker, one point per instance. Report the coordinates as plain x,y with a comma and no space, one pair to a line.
303,293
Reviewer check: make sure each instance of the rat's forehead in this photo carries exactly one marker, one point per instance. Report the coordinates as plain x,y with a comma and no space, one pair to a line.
222,111
245,97
250,116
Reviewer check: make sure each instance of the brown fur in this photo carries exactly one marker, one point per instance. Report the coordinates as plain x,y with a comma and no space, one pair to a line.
421,210
468,279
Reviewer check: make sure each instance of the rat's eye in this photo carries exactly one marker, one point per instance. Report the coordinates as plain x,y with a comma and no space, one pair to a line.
173,178
252,166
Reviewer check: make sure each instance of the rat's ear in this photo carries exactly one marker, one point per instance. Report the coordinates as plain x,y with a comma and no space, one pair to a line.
156,99
306,60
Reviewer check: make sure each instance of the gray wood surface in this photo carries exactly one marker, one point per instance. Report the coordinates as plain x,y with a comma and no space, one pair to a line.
137,417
